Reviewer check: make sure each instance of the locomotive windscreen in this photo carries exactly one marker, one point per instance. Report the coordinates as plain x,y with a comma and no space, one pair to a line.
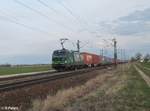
59,53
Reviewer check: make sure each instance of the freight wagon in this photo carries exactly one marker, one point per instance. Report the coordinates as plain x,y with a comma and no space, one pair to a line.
91,60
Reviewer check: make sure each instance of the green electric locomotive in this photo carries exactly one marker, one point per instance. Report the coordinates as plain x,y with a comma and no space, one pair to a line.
66,60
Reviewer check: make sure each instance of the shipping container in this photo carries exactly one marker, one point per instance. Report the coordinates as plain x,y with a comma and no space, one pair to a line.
91,59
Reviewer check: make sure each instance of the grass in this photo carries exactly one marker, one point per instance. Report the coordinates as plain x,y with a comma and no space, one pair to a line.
23,69
64,97
145,70
136,95
133,96
119,91
145,64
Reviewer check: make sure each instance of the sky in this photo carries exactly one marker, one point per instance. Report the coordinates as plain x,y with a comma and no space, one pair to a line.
30,30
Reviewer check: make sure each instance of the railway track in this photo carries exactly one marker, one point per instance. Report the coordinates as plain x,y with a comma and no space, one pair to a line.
22,75
22,81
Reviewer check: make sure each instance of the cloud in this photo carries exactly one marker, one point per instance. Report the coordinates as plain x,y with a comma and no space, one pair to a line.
132,31
132,28
140,15
135,24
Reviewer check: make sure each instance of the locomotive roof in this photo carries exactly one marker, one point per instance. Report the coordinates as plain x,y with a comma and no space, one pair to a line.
62,50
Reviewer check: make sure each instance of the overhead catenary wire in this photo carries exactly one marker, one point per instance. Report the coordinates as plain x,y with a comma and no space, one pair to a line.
55,11
6,14
41,14
15,20
51,8
23,25
66,8
85,44
69,11
76,17
44,4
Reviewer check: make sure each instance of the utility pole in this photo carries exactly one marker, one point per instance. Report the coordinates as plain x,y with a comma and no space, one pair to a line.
115,51
102,52
121,54
62,41
124,54
78,45
121,50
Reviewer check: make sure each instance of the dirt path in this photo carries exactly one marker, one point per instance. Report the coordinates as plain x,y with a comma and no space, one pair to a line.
144,76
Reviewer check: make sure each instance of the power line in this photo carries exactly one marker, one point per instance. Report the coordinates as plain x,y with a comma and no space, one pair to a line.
66,8
72,14
51,8
47,17
34,10
69,11
15,21
55,11
76,17
8,15
38,12
44,4
23,25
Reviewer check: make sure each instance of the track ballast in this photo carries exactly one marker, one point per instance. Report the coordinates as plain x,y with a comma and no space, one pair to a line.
23,81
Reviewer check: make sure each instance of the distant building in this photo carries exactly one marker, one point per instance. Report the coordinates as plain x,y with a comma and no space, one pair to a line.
141,59
5,65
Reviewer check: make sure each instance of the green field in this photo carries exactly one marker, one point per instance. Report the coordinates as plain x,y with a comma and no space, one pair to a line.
23,69
134,95
145,67
145,64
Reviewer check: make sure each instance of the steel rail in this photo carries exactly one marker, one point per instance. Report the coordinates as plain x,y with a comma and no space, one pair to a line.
23,75
31,80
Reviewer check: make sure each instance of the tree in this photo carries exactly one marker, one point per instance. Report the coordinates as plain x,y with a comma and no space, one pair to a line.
133,59
138,56
146,57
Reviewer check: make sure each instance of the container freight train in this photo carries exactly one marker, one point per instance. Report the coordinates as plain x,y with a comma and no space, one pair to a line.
69,60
